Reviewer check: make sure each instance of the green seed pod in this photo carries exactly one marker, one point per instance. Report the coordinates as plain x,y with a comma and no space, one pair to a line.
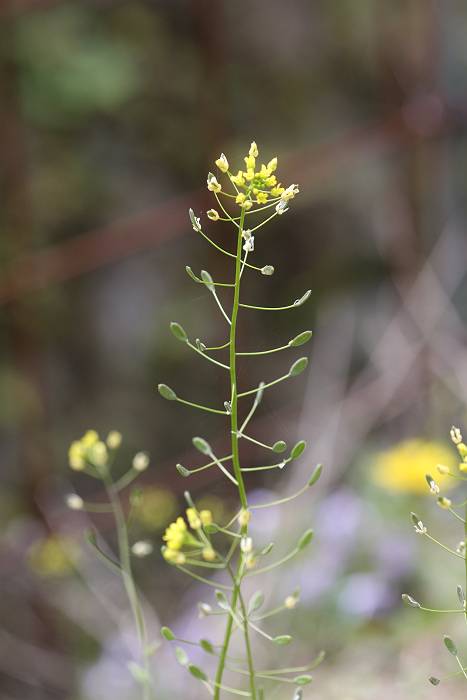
303,680
316,475
201,445
255,602
305,539
267,270
300,339
298,367
279,446
196,672
181,656
178,332
450,646
166,392
303,299
167,633
298,449
282,639
207,279
206,646
183,471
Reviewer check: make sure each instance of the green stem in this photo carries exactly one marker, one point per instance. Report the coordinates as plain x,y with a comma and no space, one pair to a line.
248,646
465,538
127,575
236,596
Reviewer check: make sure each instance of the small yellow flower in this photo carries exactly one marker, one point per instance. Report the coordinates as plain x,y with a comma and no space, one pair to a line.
262,197
76,457
240,198
206,517
175,535
213,215
250,174
444,502
209,554
173,557
213,184
89,438
193,519
271,181
277,191
272,165
238,179
253,152
250,162
222,163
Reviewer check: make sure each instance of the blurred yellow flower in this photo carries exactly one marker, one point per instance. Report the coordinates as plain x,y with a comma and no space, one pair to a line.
404,467
157,506
53,556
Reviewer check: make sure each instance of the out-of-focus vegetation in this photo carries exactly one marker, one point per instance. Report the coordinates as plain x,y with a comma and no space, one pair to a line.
111,112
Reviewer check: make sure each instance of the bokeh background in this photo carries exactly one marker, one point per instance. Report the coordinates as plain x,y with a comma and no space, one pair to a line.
111,115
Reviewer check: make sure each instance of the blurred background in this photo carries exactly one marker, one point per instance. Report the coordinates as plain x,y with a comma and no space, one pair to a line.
112,113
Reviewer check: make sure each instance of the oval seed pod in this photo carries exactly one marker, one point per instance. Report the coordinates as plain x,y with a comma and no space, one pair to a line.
298,449
316,475
202,445
207,279
178,331
303,299
166,392
450,646
167,633
305,539
298,367
282,639
300,339
279,446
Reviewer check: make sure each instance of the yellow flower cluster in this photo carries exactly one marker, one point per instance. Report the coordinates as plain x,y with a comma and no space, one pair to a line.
90,449
256,184
403,468
177,536
456,437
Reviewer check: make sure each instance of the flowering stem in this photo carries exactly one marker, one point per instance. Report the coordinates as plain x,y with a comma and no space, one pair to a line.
236,595
128,581
465,539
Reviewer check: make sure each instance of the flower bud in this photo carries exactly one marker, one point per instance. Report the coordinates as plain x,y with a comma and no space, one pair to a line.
74,502
114,439
140,461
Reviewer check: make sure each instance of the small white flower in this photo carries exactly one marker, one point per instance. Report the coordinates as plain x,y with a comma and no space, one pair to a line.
291,601
244,517
420,528
204,609
460,549
140,461
434,488
456,435
246,545
249,244
289,193
281,207
74,502
213,184
142,548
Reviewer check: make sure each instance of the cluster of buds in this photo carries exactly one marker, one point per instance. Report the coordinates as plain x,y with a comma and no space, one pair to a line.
178,537
255,185
91,450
